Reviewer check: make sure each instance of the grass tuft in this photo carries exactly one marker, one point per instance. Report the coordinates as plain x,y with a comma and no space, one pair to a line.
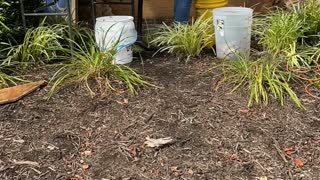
6,77
87,62
183,39
38,45
262,78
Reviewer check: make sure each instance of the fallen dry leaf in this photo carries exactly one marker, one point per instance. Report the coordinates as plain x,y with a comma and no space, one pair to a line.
85,167
87,153
133,151
125,101
298,163
190,172
177,174
76,177
157,142
289,151
18,140
233,157
174,168
244,110
263,178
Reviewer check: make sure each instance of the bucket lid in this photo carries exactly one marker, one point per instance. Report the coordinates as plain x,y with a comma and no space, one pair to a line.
233,11
114,19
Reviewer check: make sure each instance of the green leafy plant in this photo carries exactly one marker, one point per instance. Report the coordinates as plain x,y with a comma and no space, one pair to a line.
39,44
6,77
308,12
290,43
183,39
281,31
10,10
3,26
89,64
262,78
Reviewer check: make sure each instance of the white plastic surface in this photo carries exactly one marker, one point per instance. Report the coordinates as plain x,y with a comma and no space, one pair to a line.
232,31
120,30
124,56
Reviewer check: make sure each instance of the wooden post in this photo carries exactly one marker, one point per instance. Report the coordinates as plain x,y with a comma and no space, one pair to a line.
74,10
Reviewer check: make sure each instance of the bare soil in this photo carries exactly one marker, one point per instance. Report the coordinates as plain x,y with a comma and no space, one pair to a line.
74,136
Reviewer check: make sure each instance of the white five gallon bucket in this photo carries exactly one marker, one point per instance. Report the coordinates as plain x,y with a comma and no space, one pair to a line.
232,31
110,30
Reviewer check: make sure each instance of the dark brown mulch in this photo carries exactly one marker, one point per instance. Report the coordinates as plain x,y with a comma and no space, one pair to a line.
72,136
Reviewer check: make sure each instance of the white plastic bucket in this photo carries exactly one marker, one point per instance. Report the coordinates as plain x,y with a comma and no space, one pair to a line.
110,30
232,31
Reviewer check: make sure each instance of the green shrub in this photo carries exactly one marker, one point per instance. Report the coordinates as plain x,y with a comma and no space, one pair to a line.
183,39
3,26
281,30
262,78
86,62
6,77
10,10
39,44
309,14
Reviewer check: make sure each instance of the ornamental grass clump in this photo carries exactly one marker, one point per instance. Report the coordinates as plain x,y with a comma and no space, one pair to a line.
6,76
87,64
187,40
290,42
281,31
39,44
308,12
262,78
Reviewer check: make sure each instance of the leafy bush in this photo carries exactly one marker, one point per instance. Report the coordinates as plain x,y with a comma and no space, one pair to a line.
39,44
183,39
261,78
6,77
3,27
281,30
309,14
10,10
290,43
87,63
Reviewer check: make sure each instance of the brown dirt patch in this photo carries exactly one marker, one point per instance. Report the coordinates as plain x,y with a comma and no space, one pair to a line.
216,136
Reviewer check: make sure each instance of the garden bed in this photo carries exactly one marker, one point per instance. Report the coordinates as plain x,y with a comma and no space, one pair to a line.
216,136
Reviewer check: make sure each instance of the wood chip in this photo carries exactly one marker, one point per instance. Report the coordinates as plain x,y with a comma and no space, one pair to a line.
158,142
85,167
190,172
31,163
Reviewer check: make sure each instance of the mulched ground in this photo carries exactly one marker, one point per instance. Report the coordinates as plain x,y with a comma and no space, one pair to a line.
72,136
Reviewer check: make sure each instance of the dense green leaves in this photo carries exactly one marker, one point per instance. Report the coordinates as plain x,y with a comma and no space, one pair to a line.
183,39
86,62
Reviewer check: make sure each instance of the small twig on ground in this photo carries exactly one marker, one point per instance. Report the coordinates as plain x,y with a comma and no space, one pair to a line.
31,163
35,170
277,146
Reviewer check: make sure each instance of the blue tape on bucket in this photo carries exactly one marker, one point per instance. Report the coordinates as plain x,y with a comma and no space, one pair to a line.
122,46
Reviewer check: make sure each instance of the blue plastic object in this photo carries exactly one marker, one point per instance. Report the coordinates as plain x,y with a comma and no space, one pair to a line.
182,10
58,7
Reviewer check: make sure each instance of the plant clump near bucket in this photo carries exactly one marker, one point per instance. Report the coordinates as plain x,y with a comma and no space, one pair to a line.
116,31
204,9
232,31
